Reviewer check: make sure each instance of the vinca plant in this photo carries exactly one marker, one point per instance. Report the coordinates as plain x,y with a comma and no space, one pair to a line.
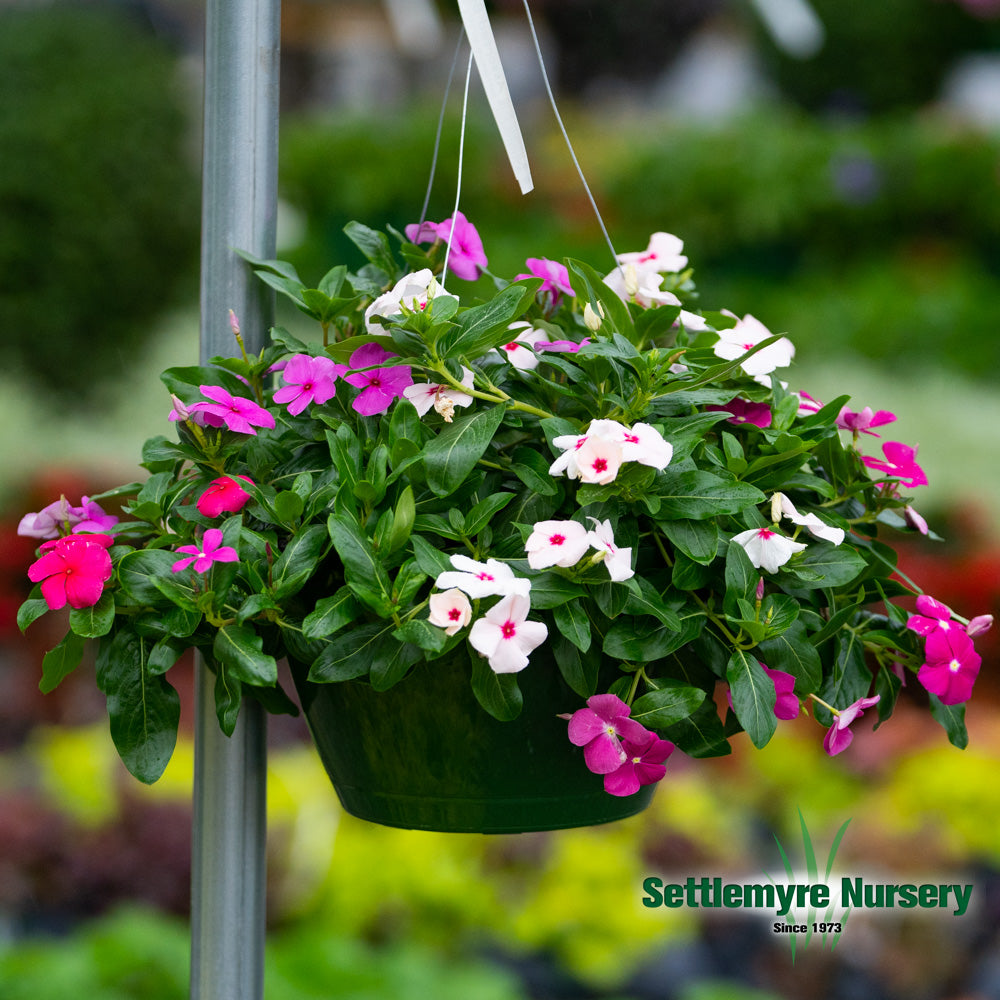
577,472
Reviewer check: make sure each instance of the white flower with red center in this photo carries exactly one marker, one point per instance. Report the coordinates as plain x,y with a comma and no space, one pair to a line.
646,445
744,336
450,610
444,398
663,254
489,579
598,460
411,292
766,548
808,521
605,445
518,351
505,636
618,561
556,543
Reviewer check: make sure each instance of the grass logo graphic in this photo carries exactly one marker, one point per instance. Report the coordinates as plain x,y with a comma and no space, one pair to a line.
830,925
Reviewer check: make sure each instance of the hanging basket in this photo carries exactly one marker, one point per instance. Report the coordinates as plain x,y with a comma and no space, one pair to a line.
424,755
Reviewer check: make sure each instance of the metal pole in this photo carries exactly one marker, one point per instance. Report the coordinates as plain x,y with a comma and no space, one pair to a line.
239,196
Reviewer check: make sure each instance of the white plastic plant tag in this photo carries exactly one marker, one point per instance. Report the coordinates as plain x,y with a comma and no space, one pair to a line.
484,50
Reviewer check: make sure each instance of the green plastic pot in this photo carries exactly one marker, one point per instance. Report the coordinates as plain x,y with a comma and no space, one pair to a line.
424,755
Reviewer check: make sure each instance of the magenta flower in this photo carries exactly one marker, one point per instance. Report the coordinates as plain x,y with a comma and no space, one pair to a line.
643,765
308,380
860,422
380,386
73,570
932,616
238,414
212,551
951,665
466,257
839,736
555,278
568,346
600,728
60,518
786,705
742,411
223,496
899,463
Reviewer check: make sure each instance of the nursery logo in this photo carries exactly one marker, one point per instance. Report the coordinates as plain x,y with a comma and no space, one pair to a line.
809,903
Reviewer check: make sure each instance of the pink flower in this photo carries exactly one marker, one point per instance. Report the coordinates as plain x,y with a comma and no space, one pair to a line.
951,665
380,386
899,463
450,610
932,616
742,411
212,551
643,765
915,520
567,346
73,570
308,380
766,548
505,636
556,543
60,518
786,705
860,422
555,279
466,257
223,496
489,579
839,736
618,561
600,728
238,414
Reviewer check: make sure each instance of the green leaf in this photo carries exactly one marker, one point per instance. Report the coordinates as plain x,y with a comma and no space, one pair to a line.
330,615
30,611
450,457
699,495
402,521
533,470
228,699
239,648
589,286
361,564
422,633
573,622
645,599
478,329
61,661
701,734
952,719
483,512
391,667
298,561
352,654
850,678
139,571
549,590
374,245
165,653
698,540
580,672
497,693
672,701
793,653
431,560
93,622
288,506
753,697
143,709
642,641
826,565
741,577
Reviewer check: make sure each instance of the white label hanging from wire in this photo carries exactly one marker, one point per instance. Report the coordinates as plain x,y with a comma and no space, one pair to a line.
484,50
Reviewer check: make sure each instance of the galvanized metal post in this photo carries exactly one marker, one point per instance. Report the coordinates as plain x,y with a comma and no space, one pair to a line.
239,196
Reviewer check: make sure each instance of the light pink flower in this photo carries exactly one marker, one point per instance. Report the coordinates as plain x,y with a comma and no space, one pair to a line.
308,380
839,736
861,421
444,398
238,414
565,346
556,543
555,279
518,350
505,636
766,548
618,561
380,386
489,579
450,610
61,518
742,411
223,496
643,765
600,728
746,334
899,463
73,570
915,520
466,257
979,625
211,551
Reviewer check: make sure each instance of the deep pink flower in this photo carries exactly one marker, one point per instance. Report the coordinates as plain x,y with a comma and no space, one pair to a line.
861,421
742,411
308,380
73,570
569,346
951,665
600,728
223,496
238,414
932,616
839,736
466,257
786,705
899,463
555,278
380,386
643,765
212,551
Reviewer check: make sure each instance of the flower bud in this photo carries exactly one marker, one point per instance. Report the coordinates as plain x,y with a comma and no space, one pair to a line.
631,281
234,324
592,319
979,625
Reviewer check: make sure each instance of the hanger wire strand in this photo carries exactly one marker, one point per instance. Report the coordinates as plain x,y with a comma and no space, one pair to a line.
458,182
